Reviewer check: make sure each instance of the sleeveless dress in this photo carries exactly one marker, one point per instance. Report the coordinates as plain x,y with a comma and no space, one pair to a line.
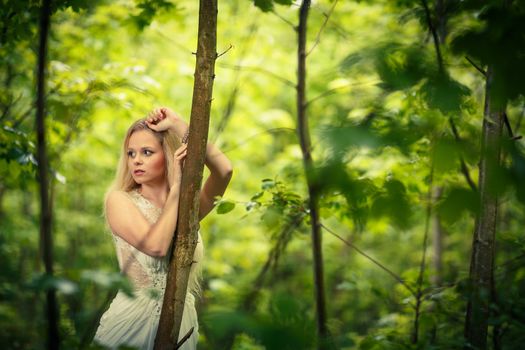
133,321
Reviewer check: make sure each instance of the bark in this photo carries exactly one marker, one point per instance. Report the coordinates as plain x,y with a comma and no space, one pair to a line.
188,222
46,237
482,258
313,195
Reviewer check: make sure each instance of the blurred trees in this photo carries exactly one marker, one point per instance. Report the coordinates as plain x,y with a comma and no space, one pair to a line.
396,99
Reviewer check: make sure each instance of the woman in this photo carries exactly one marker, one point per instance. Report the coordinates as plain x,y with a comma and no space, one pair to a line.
141,210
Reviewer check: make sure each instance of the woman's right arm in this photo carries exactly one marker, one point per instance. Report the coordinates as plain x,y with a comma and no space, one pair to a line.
126,221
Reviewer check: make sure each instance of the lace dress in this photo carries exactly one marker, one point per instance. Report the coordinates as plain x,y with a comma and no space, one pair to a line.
133,321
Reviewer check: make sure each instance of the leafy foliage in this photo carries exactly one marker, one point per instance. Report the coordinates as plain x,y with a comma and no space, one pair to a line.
381,111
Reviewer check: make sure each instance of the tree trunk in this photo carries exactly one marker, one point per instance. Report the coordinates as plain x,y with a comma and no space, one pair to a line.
313,200
437,241
482,258
46,238
188,222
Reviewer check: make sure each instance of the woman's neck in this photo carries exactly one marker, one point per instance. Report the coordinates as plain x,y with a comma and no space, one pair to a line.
155,193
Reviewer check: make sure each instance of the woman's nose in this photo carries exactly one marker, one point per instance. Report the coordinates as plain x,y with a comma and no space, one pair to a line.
137,160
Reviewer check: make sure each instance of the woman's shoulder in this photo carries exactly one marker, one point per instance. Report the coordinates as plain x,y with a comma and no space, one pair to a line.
119,196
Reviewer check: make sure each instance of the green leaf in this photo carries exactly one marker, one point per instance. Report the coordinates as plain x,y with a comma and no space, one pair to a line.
444,93
457,201
445,155
267,184
393,203
264,5
401,67
225,206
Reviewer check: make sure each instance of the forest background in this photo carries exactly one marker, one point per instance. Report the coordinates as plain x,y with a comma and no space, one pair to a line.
397,92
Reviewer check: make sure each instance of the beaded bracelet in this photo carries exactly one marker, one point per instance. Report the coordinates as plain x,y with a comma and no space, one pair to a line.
184,139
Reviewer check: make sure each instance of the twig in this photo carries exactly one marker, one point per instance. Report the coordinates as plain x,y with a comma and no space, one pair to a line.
232,99
318,37
510,261
259,69
434,36
464,168
509,128
186,337
333,90
283,19
290,130
225,51
383,267
520,118
164,36
478,68
424,255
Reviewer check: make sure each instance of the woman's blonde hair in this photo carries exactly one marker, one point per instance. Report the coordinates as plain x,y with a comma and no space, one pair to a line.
167,139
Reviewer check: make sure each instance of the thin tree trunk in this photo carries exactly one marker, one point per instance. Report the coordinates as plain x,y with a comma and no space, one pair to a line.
482,258
313,200
188,222
437,241
2,193
441,20
45,205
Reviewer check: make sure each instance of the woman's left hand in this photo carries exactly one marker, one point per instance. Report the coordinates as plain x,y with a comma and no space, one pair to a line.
178,163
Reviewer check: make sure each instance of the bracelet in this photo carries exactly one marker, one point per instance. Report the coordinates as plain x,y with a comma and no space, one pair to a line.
184,139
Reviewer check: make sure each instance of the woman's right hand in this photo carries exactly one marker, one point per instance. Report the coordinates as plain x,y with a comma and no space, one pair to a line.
178,163
163,118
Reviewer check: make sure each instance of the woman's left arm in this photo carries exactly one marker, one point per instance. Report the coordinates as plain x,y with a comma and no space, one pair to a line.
221,171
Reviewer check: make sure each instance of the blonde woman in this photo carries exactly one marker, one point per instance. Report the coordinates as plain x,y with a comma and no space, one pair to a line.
141,210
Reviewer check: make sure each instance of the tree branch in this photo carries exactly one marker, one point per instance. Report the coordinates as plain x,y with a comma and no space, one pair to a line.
318,37
334,90
283,19
377,263
225,51
464,168
434,36
259,69
478,68
415,334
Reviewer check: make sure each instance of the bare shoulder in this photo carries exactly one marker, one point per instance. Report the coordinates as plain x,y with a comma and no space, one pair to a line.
124,218
116,197
119,203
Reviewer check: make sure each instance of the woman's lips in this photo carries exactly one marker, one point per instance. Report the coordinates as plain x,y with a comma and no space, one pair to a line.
138,172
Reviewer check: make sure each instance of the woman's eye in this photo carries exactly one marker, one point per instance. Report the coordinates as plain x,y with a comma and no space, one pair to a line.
131,154
148,152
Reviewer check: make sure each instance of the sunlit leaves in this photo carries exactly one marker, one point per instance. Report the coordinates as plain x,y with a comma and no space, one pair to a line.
392,202
148,9
277,204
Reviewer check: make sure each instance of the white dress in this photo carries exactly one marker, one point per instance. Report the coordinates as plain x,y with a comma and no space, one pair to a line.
133,321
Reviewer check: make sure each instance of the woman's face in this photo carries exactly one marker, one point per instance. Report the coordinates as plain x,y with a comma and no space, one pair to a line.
145,158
